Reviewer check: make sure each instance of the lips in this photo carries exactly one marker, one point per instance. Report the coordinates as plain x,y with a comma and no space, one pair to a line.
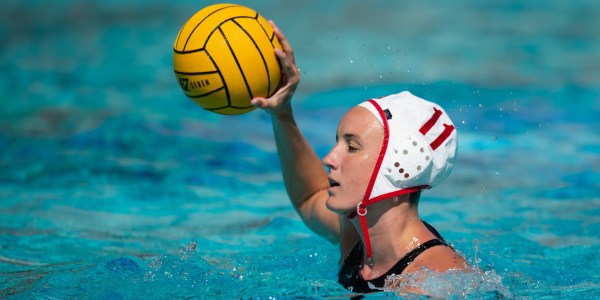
333,183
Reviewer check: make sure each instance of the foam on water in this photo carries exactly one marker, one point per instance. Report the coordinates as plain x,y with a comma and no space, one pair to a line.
468,283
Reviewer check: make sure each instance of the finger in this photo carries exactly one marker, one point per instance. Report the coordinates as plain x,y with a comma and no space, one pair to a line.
259,102
291,71
285,44
287,63
280,54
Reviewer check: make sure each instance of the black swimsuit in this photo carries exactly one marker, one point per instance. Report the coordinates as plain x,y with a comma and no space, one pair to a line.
349,275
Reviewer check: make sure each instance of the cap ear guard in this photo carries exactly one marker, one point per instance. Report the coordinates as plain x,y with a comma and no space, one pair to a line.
407,159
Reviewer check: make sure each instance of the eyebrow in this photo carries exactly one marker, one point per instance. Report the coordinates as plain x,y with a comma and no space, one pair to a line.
349,137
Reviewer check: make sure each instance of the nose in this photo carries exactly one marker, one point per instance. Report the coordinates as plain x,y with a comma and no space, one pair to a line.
330,159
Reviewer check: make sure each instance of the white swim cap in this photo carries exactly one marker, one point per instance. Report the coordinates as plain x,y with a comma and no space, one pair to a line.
418,151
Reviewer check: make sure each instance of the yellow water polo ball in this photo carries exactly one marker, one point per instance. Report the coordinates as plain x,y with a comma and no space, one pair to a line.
224,56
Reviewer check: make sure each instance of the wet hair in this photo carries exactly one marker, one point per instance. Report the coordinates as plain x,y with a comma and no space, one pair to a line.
413,198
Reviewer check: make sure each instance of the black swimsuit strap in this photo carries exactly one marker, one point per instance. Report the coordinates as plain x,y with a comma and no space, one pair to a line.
348,275
410,256
399,267
349,271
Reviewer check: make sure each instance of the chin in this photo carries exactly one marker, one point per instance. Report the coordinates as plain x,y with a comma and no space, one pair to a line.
342,209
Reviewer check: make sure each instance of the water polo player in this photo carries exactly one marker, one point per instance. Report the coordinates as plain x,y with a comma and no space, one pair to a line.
387,151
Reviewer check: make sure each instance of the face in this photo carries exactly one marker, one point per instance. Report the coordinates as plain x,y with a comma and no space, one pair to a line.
359,139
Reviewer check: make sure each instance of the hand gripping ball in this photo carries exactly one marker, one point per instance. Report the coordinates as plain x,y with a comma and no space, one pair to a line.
224,56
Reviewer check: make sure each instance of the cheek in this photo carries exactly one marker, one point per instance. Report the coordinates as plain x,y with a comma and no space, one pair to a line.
362,173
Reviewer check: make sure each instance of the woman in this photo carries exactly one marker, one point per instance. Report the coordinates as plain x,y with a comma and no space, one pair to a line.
387,151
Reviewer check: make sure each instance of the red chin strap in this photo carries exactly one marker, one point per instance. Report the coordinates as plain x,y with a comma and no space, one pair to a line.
361,208
361,211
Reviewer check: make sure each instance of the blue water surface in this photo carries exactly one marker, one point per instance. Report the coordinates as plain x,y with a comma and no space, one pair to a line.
113,185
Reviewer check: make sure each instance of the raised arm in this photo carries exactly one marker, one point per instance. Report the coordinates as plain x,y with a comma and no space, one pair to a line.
304,176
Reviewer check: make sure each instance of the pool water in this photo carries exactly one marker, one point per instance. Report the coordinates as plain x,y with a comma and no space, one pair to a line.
113,185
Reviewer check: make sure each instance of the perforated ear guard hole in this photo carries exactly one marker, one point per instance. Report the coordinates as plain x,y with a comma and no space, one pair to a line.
407,161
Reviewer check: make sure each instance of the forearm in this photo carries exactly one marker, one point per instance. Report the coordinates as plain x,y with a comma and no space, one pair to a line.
303,173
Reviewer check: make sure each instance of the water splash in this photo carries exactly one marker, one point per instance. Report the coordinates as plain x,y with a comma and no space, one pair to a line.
470,283
184,269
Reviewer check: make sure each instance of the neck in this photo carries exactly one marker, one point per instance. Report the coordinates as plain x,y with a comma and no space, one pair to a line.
395,229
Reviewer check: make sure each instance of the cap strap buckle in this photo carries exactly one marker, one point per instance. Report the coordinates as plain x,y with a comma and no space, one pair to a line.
361,211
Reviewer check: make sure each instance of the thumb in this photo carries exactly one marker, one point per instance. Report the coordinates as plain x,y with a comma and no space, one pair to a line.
259,102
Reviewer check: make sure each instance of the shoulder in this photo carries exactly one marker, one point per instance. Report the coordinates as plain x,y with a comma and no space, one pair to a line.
439,258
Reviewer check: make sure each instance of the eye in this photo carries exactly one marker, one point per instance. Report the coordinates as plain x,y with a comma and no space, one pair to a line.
351,144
